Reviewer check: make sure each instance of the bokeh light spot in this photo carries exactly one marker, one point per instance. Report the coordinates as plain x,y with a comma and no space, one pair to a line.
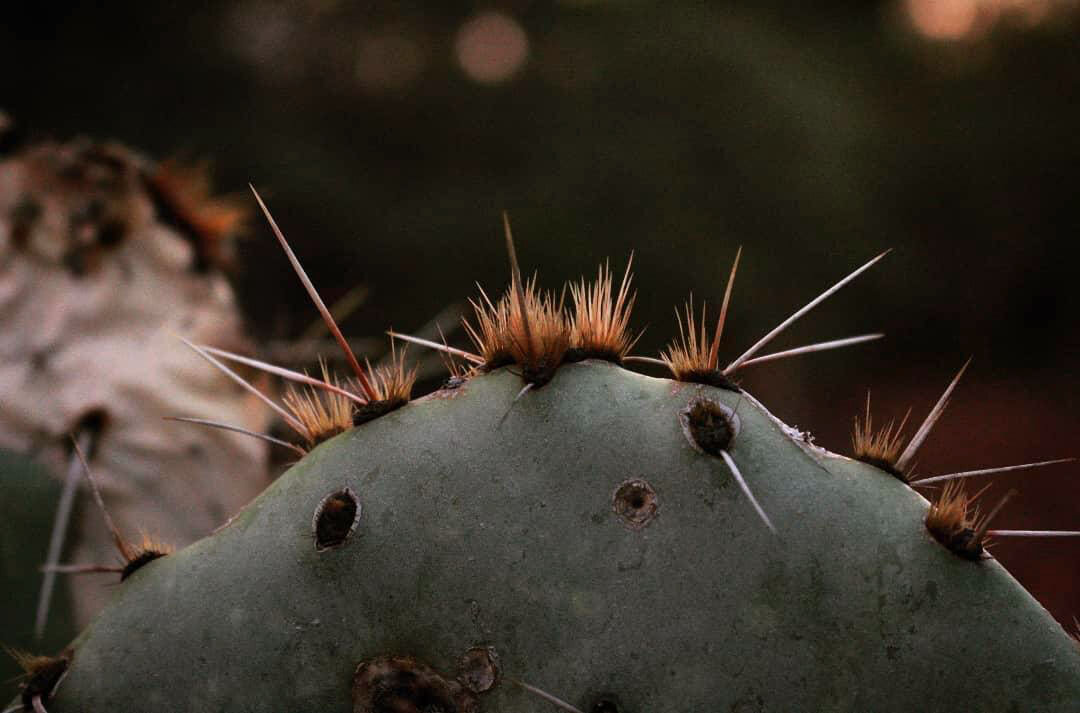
491,47
943,19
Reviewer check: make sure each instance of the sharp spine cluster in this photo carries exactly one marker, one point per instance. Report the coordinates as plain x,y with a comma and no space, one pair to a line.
133,556
950,520
531,328
41,674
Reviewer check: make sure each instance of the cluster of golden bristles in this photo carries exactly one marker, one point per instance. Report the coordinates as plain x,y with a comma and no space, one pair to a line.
526,326
535,330
531,328
955,522
41,675
881,447
953,519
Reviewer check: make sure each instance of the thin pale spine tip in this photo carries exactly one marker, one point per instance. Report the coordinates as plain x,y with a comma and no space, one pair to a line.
237,429
509,235
746,490
991,471
557,702
284,373
292,422
980,531
812,348
904,462
516,283
437,346
802,311
714,352
1032,533
123,547
331,324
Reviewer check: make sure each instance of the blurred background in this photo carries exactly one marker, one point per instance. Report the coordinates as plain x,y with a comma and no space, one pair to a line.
388,136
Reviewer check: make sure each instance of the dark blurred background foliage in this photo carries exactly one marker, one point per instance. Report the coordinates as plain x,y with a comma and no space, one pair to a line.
388,136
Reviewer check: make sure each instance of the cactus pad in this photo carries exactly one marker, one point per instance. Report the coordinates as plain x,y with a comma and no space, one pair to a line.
604,558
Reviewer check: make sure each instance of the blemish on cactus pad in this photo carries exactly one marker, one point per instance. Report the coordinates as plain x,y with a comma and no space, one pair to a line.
709,425
478,669
636,503
335,519
606,704
401,684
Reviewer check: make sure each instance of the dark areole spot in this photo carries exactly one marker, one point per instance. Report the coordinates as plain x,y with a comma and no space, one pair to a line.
401,684
335,519
710,377
709,425
93,421
44,680
885,465
138,562
373,409
605,705
577,354
478,669
635,502
963,543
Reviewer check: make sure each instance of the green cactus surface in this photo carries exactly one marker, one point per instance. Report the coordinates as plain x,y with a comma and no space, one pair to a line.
605,558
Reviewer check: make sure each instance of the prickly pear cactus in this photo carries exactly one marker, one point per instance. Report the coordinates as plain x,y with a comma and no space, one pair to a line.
593,540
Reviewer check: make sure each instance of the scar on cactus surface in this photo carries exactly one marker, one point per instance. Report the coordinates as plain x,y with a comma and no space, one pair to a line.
510,518
335,519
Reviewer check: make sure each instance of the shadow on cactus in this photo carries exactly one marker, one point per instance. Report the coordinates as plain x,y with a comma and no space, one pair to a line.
552,531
